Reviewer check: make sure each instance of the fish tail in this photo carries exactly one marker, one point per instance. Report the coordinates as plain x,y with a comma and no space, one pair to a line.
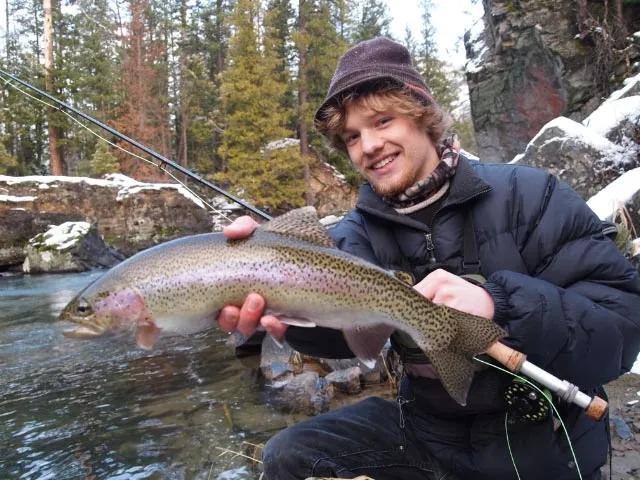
450,341
456,372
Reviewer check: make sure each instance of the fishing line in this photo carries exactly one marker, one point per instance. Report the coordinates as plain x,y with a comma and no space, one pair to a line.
564,428
159,166
506,432
144,148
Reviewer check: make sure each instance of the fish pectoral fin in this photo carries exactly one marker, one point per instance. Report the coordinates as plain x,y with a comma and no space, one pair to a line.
366,342
456,372
147,335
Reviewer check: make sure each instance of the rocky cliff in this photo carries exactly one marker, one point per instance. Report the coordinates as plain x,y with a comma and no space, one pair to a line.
532,61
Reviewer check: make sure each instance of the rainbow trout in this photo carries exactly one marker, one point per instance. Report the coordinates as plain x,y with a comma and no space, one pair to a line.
181,285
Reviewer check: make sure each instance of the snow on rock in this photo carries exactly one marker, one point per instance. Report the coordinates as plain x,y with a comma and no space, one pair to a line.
631,87
610,115
11,198
62,236
581,157
615,195
126,186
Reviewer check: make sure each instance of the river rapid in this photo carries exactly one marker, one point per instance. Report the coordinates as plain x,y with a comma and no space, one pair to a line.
104,409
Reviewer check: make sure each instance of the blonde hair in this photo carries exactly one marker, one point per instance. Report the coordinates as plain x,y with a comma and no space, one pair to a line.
431,117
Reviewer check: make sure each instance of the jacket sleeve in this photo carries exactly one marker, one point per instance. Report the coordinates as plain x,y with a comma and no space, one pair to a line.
350,236
577,313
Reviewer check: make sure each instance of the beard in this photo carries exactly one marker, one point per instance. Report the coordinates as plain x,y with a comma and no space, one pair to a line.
393,186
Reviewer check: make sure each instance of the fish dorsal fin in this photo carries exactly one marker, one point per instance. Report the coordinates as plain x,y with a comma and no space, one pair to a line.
404,277
302,224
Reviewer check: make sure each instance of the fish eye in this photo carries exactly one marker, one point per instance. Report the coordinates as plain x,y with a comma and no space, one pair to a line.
83,307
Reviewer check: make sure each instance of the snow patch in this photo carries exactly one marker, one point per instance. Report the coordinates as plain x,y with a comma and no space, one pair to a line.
126,186
611,114
61,236
608,200
629,83
11,198
580,132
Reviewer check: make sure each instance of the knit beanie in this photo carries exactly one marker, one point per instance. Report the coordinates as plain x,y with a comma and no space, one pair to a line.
375,60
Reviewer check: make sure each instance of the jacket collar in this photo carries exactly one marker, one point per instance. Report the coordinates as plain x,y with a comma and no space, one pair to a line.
466,184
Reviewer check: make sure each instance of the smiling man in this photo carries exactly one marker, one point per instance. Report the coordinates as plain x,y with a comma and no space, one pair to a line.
554,282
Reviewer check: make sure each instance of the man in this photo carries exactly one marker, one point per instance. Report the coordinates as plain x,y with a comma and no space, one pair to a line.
557,285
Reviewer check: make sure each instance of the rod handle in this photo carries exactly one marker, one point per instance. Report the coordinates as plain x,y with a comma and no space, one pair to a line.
507,356
597,409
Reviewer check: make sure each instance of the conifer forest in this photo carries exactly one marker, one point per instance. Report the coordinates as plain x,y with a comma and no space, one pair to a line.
211,84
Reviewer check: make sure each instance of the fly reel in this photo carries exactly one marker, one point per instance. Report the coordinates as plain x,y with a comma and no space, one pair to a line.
525,403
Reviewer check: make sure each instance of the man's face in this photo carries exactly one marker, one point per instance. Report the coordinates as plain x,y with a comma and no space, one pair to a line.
389,149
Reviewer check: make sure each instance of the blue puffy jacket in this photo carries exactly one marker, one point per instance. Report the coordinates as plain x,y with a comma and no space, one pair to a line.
567,298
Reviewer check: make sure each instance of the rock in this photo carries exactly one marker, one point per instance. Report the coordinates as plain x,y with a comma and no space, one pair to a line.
526,66
586,161
275,359
345,381
623,192
621,428
70,247
306,393
617,120
332,193
368,375
129,215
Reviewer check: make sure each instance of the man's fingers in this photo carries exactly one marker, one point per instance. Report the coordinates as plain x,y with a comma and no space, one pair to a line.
273,326
250,314
228,318
241,227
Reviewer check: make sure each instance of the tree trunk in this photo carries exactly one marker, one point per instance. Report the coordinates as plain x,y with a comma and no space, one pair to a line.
303,99
55,154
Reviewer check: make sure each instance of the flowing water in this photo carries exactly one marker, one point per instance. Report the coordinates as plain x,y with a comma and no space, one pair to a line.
104,409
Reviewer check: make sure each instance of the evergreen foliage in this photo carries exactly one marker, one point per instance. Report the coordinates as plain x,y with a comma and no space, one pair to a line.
103,161
209,84
8,163
253,101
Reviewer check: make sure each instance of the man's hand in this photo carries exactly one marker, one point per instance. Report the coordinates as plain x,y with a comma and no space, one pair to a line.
444,288
247,317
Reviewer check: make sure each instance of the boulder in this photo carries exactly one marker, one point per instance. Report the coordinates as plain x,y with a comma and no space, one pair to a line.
624,192
581,157
346,381
70,247
306,393
618,121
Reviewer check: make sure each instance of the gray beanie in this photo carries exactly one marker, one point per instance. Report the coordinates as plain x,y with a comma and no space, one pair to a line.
371,61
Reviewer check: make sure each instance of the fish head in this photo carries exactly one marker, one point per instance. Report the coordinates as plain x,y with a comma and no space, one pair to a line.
110,311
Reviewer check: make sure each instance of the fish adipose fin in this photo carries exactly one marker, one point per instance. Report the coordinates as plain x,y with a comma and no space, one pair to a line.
366,342
302,224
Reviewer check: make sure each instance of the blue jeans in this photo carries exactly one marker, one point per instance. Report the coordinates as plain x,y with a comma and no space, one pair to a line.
369,438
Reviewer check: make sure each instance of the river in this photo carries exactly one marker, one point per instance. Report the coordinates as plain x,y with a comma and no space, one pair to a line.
104,409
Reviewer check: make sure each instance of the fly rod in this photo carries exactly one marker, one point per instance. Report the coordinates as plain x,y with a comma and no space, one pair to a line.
144,148
594,407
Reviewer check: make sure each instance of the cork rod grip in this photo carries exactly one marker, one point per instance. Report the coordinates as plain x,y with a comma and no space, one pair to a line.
507,356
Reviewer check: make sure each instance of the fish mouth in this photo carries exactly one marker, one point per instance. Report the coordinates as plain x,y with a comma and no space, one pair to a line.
85,328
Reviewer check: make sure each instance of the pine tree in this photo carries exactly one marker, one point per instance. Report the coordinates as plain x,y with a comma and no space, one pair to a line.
8,163
103,161
373,20
253,103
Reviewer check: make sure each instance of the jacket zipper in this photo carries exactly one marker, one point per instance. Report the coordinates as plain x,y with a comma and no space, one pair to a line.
430,248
